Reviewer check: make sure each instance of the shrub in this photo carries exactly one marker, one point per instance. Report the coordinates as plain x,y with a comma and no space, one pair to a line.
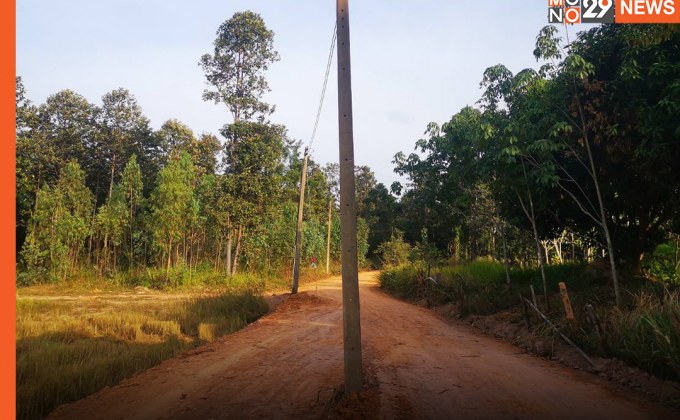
394,252
664,264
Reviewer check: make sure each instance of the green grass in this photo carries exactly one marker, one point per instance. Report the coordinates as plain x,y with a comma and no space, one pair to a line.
645,334
68,349
644,331
479,287
179,280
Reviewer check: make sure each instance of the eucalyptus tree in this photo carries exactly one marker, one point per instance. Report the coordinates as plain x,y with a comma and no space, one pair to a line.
243,51
31,165
59,225
171,205
67,119
332,172
365,182
253,162
205,154
111,220
317,194
132,187
175,137
123,130
51,135
235,71
48,137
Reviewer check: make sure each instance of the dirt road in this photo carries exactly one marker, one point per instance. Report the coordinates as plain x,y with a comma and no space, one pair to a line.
288,364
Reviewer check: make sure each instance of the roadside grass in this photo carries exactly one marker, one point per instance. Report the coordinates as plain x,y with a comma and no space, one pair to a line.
70,348
179,280
644,331
77,337
645,334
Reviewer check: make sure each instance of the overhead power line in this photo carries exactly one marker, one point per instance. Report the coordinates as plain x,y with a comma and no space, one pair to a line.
325,83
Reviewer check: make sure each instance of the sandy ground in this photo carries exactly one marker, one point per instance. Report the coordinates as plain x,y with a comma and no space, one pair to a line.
289,365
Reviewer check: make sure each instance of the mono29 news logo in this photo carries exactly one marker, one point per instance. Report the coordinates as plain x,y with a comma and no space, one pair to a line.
611,11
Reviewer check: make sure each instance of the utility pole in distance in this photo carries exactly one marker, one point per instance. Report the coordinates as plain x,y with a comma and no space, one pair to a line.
328,237
348,216
298,233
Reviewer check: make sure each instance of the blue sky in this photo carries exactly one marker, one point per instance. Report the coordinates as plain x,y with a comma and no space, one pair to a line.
412,61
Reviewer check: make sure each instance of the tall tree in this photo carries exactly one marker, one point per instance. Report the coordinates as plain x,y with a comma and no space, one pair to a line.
123,130
48,137
132,187
111,221
380,213
31,165
244,50
59,225
175,137
205,153
253,162
171,207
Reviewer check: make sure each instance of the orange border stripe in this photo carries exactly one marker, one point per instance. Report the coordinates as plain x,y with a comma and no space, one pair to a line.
7,211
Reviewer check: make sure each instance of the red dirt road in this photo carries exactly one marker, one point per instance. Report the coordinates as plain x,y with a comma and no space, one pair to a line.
288,364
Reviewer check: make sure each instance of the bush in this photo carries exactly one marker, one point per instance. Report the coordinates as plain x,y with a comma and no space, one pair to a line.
400,281
394,252
664,264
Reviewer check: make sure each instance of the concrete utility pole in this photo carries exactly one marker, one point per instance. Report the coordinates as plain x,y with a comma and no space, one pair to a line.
328,238
298,233
348,217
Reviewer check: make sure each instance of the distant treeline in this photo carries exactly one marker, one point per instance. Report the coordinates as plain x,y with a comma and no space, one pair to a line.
574,161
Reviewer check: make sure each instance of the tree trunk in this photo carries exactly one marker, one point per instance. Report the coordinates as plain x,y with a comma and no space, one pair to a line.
532,218
677,254
539,257
238,250
228,256
167,267
133,210
603,214
106,252
113,171
328,238
94,215
184,248
191,252
218,254
507,261
557,243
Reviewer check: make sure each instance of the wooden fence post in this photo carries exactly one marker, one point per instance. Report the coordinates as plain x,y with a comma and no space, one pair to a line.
566,301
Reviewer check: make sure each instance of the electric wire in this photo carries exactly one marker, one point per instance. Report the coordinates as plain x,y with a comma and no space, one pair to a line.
325,83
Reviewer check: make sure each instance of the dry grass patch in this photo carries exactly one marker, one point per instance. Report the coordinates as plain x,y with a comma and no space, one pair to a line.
72,347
